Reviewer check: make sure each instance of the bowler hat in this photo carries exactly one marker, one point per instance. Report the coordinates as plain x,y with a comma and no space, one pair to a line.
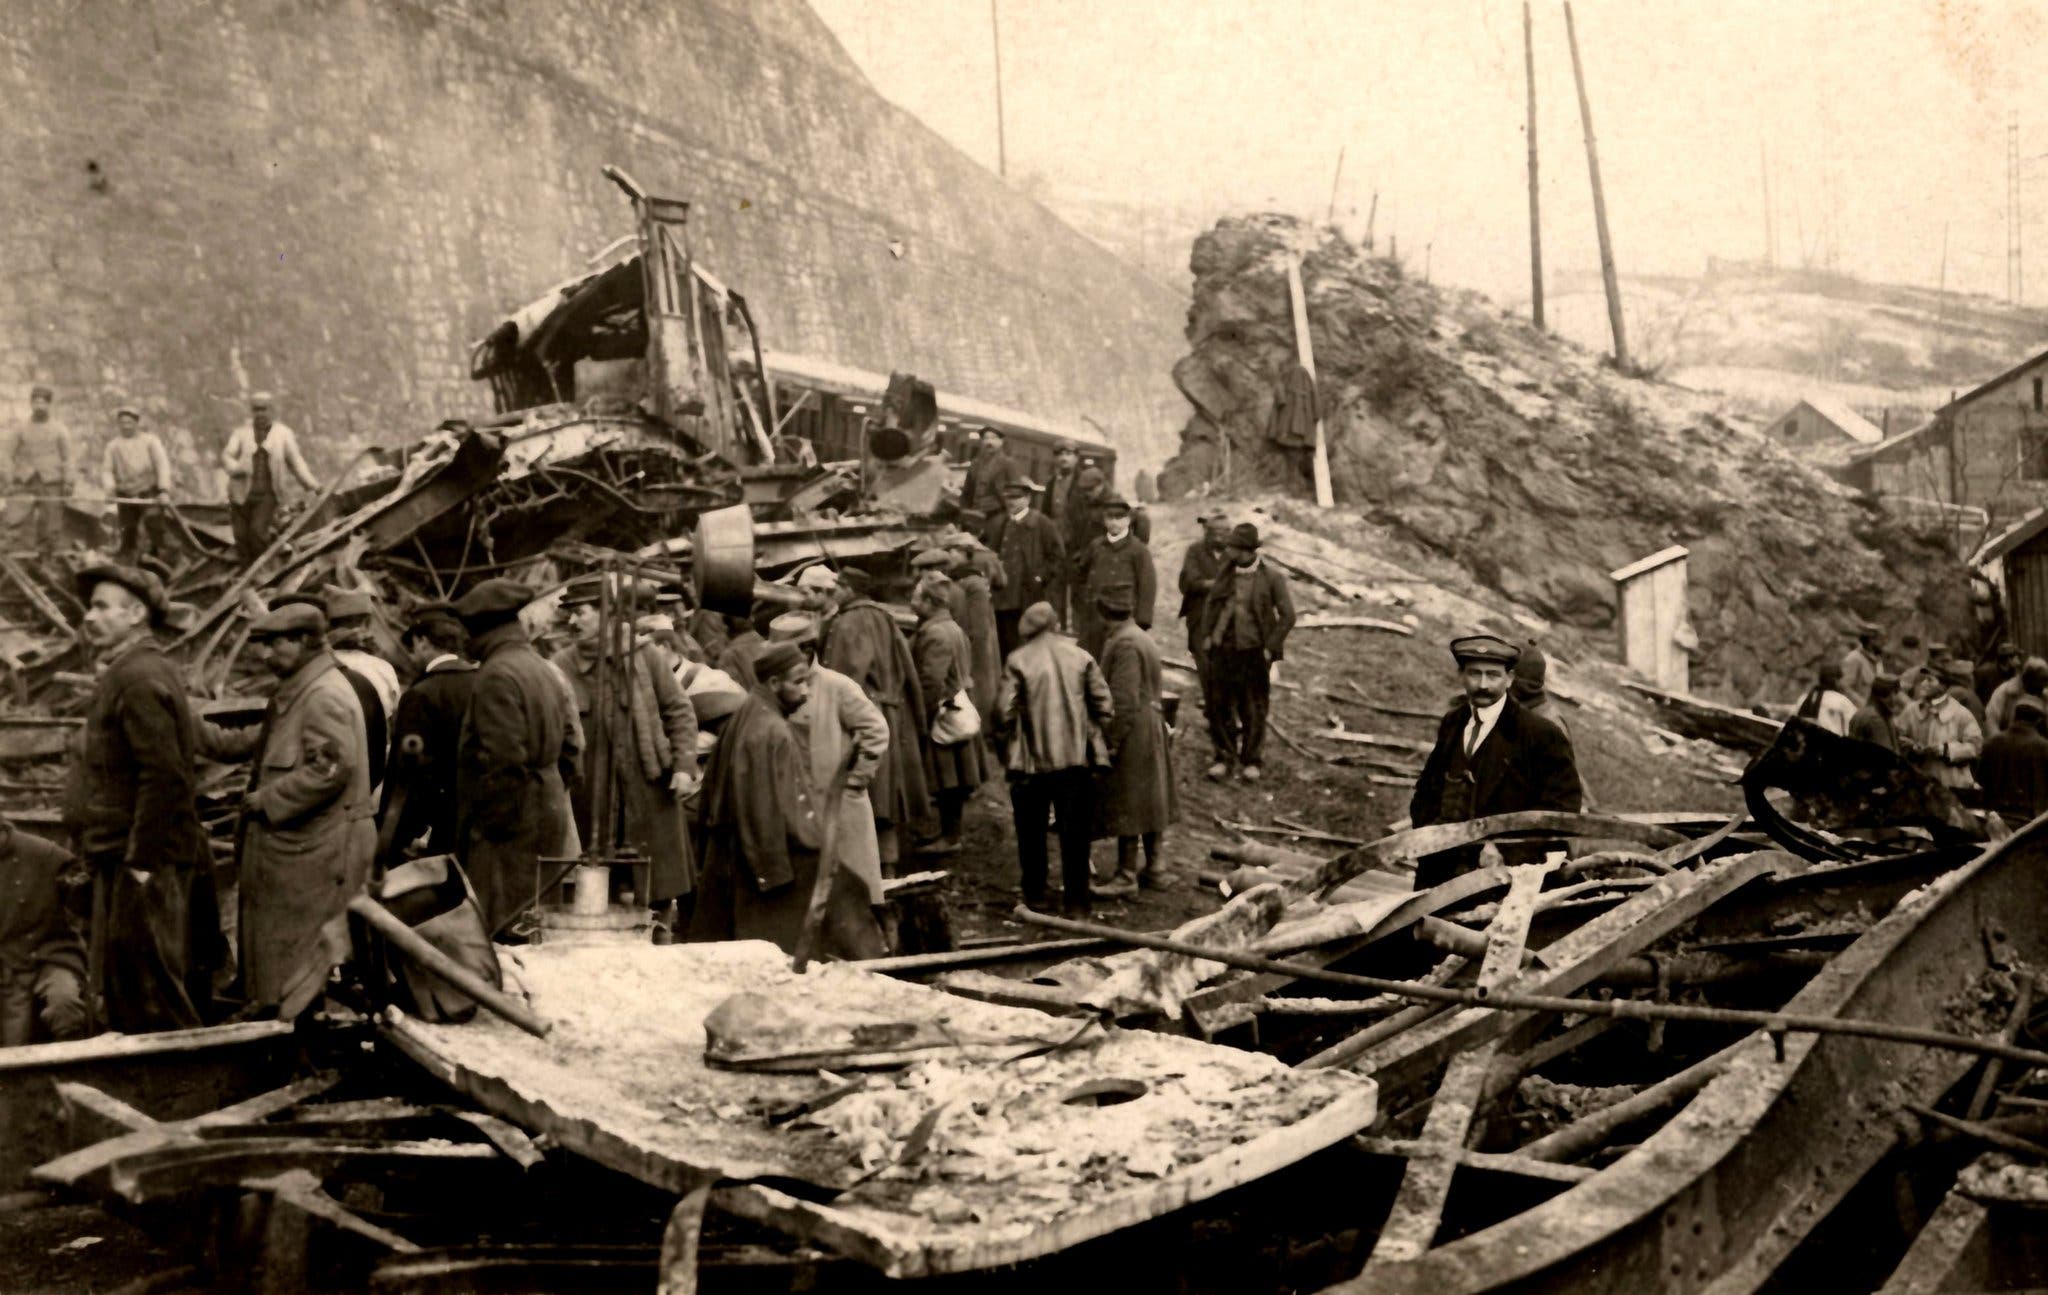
1244,535
1473,649
145,585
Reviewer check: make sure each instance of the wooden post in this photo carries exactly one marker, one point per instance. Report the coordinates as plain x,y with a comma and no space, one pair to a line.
1535,205
1331,217
1325,496
995,31
1607,274
1372,214
1770,231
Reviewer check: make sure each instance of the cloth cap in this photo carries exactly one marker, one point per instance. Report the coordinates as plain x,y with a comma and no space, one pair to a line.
143,584
1244,535
1017,487
580,593
291,618
932,560
857,580
777,660
2030,706
1475,648
793,627
347,604
1074,450
263,398
128,411
1037,619
428,613
1117,600
1910,641
1115,503
1089,476
656,623
668,597
1884,685
493,601
1865,629
819,577
40,390
1531,669
1959,670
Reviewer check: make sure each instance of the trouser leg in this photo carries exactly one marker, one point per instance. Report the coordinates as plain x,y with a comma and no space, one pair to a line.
1006,632
1075,795
1218,709
129,519
952,801
1030,799
1257,694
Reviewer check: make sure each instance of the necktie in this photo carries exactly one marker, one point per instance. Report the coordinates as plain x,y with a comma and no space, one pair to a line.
1472,736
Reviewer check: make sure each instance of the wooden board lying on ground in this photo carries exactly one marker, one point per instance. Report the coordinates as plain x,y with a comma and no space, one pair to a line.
1017,1164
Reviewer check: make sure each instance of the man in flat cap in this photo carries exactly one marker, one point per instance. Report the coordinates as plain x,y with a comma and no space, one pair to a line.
1059,489
1491,756
1245,622
376,726
137,473
2014,767
945,680
1053,713
838,727
511,757
308,838
640,734
252,456
1200,567
1034,562
763,830
45,460
352,635
976,572
419,796
983,490
1879,719
130,803
1136,797
1114,561
863,643
1863,662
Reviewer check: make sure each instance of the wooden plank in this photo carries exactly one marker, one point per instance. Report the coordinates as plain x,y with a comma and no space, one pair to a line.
299,1189
69,1170
1579,959
1416,842
1418,1209
177,1169
1320,621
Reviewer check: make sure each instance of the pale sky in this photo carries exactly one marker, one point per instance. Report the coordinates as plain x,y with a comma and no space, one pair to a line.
1884,120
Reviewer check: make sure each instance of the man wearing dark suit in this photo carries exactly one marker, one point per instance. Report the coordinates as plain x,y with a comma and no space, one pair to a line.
1492,756
423,781
1034,562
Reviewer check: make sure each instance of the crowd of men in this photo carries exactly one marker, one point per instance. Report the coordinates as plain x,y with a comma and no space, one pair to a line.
1978,728
48,464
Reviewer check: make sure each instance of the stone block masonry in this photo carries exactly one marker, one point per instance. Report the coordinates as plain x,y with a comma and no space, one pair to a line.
334,198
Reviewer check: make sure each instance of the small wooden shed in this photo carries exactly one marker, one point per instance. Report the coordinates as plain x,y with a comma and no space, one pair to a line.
1656,635
2016,560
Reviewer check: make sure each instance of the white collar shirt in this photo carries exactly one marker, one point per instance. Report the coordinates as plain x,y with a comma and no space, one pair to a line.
1480,726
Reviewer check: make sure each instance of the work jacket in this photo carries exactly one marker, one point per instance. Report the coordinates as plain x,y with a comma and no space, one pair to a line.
130,794
1199,571
281,443
1272,606
1034,561
1053,708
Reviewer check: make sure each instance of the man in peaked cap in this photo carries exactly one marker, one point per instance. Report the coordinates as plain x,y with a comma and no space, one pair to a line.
419,797
137,470
254,453
129,802
44,463
511,756
1243,630
1034,562
1492,756
1115,561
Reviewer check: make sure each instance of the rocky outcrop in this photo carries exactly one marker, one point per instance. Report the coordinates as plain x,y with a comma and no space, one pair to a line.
1531,463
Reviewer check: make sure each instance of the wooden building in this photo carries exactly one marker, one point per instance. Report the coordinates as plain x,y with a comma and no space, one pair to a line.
1822,423
2016,561
1987,448
1657,640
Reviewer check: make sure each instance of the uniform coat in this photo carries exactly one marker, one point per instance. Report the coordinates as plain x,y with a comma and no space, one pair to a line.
1136,795
836,721
761,837
1107,565
1872,723
513,806
307,835
430,710
649,733
945,666
130,804
2014,773
1524,763
863,643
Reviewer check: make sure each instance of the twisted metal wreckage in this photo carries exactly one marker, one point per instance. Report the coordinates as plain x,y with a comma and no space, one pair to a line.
1676,1053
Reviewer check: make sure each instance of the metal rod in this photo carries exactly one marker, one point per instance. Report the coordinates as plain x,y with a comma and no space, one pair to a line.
416,946
1510,1001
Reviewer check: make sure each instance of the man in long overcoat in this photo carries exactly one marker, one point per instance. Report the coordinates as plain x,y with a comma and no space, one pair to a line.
512,755
307,831
1135,800
644,740
1113,561
863,643
2014,767
762,830
945,669
421,788
1491,756
130,804
1034,562
837,727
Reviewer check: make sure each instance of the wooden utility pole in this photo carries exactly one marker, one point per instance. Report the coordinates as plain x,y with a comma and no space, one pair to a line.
995,30
1306,353
1607,274
1331,218
1535,204
1372,214
1941,292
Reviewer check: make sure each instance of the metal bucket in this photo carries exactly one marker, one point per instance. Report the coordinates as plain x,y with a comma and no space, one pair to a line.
722,560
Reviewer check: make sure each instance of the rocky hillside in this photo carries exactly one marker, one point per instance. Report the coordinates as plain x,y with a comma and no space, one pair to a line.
1533,466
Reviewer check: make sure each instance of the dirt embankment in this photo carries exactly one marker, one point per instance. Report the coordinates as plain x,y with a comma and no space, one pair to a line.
1466,434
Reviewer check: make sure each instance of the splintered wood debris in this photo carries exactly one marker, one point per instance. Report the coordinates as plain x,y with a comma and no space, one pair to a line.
981,1161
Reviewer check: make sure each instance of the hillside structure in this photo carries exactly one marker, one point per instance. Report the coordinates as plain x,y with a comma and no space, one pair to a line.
1820,422
1987,448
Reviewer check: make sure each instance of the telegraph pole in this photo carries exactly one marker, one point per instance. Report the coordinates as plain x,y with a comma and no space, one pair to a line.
1770,233
1535,204
1331,217
995,29
1607,274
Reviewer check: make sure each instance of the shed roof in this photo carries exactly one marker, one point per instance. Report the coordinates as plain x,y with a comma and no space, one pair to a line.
1843,419
1987,385
1660,558
2012,537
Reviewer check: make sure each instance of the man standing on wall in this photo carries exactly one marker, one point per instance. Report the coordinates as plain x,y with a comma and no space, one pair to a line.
252,456
45,460
137,472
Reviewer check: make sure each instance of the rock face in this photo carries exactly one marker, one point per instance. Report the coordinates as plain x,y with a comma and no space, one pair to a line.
1533,465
